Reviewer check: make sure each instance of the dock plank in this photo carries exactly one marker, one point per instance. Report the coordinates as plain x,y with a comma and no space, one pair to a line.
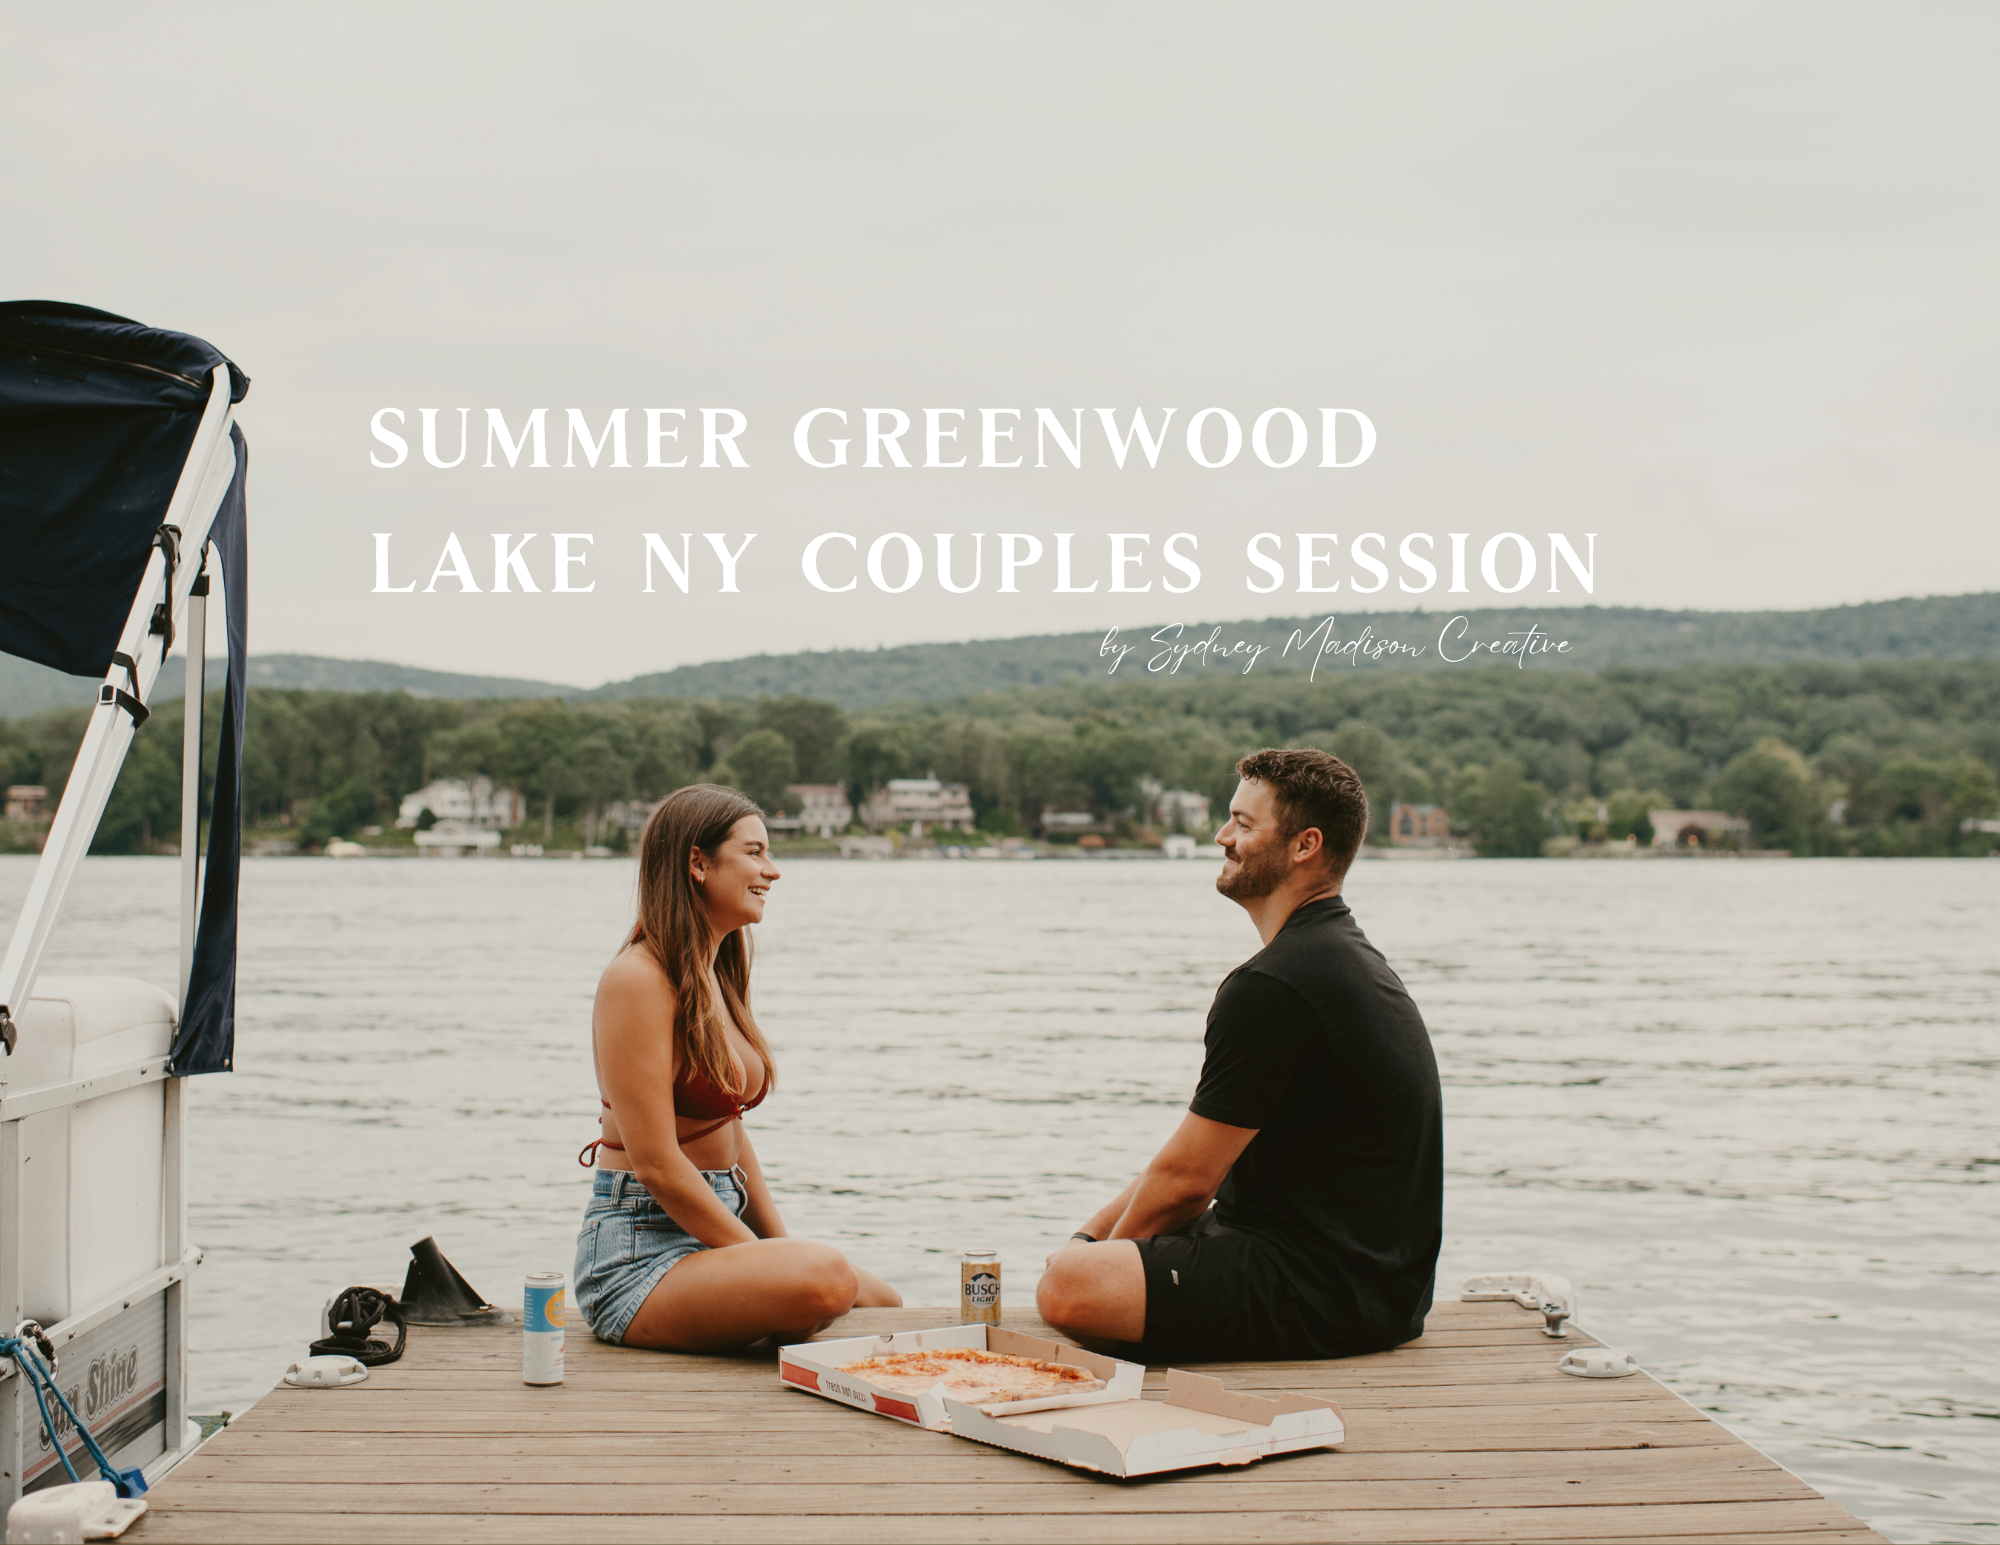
781,1404
1740,1524
1467,1435
667,1489
956,1463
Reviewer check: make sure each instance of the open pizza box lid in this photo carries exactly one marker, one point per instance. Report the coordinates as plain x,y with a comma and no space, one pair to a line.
1199,1423
815,1366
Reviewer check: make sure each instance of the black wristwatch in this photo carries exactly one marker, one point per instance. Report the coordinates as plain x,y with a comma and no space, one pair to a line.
1089,1239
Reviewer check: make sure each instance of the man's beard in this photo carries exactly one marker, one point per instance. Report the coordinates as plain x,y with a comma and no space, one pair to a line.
1256,876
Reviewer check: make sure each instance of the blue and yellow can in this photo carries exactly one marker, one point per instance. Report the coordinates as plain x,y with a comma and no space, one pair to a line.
543,1311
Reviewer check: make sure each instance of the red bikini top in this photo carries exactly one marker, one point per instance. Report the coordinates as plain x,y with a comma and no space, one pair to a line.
694,1097
697,1097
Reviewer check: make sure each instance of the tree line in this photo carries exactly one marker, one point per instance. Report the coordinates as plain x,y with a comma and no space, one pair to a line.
1879,758
1963,627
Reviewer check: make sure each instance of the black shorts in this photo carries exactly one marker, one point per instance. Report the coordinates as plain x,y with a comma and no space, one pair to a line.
1214,1295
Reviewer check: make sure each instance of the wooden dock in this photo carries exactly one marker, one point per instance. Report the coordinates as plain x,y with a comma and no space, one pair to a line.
1469,1434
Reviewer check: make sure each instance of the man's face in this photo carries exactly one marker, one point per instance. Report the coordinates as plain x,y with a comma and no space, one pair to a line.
1255,857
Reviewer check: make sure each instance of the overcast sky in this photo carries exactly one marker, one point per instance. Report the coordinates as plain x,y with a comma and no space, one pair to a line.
1712,282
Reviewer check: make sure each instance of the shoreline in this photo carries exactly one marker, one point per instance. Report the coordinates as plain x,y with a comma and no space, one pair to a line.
958,852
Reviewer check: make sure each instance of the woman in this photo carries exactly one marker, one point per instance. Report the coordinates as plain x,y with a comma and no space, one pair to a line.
682,1247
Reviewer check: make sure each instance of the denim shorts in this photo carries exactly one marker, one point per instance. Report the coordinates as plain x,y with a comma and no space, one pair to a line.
628,1243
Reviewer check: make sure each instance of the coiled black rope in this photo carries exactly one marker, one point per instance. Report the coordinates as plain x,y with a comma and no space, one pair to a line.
355,1312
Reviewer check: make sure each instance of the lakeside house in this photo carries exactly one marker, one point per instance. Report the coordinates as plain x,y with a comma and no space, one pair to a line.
1177,810
1698,829
474,804
924,803
1419,826
1160,808
819,808
630,814
28,804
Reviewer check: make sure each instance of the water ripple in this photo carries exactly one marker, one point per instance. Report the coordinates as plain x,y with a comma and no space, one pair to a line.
1747,1108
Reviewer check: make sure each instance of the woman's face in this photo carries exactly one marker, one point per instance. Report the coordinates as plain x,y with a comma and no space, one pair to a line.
735,879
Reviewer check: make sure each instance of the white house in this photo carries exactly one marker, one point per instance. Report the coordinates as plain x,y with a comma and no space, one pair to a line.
476,803
923,802
1181,810
632,814
1173,809
813,807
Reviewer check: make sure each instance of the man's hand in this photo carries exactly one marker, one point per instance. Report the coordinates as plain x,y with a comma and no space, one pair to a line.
1097,1292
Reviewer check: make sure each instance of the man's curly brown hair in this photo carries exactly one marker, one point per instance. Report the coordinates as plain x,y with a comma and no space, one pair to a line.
1314,788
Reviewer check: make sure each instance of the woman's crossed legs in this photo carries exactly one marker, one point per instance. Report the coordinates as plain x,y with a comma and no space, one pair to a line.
716,1299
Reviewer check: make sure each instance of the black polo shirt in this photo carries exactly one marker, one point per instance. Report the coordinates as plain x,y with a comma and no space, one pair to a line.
1315,1042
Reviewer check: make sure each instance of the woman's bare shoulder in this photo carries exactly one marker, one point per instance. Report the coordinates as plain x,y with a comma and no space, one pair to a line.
634,980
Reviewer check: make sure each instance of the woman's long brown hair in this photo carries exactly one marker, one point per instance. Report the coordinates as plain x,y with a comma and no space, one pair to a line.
673,925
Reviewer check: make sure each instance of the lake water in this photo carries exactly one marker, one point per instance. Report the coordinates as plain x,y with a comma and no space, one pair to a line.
1748,1107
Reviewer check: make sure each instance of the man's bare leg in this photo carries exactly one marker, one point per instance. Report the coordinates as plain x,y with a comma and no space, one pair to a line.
1095,1293
871,1292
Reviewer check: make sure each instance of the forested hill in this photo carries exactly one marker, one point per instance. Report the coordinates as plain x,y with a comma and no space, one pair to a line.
1935,627
26,689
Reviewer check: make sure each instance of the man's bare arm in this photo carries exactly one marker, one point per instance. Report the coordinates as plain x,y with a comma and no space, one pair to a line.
1182,1179
1105,1219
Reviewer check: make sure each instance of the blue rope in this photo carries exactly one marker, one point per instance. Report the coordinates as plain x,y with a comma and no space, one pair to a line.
128,1483
48,1426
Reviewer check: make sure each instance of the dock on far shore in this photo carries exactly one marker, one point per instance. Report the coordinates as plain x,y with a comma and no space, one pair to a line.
1468,1434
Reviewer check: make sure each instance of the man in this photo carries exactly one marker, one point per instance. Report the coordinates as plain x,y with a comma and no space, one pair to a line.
1315,1130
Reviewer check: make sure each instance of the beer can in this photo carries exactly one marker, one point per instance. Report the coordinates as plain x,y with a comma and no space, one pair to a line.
979,1288
542,1316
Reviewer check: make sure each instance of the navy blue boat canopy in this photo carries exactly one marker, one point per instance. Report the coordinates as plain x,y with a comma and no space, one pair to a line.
97,416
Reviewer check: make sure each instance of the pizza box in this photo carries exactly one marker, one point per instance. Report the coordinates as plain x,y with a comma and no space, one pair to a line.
1199,1423
814,1366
